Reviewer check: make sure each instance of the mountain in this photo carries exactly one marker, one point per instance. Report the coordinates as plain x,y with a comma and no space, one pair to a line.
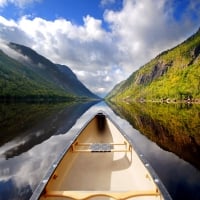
174,75
28,75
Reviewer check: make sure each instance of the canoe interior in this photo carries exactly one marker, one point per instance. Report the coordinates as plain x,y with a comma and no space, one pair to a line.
101,161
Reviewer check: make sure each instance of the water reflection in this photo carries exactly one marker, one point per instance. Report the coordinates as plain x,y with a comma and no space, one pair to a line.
26,125
40,133
174,127
31,137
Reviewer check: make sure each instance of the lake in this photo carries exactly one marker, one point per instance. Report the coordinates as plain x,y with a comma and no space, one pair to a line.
33,135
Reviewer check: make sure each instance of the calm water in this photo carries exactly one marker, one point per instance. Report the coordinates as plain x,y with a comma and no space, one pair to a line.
32,136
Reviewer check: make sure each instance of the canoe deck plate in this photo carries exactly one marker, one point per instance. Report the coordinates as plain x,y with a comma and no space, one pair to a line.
101,147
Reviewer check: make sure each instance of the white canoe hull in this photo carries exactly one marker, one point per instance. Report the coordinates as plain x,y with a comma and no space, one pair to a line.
101,164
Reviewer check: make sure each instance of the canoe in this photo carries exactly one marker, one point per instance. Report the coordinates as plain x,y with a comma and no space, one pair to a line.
101,163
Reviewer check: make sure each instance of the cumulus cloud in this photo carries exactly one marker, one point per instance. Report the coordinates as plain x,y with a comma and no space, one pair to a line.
88,48
145,28
102,57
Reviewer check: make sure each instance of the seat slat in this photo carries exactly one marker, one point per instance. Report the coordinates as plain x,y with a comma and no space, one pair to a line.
101,147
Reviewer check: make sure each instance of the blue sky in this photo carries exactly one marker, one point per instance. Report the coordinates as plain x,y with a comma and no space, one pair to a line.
102,41
51,9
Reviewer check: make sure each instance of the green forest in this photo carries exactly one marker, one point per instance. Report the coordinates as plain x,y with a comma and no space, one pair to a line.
18,82
174,75
32,77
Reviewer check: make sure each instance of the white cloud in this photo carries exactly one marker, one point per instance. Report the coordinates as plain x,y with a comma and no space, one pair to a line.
11,52
106,2
102,58
144,29
3,3
7,23
18,3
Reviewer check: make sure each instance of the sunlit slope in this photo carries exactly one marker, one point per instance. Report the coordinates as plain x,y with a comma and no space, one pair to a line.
172,75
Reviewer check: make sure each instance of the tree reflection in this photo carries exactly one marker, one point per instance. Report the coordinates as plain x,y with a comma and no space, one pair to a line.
26,125
174,127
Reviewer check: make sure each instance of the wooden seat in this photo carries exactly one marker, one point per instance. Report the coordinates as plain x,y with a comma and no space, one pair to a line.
82,195
100,147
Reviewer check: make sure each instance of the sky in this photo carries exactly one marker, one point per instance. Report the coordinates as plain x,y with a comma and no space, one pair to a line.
102,41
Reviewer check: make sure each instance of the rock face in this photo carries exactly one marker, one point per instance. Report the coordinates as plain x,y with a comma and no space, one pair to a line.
158,70
195,54
174,75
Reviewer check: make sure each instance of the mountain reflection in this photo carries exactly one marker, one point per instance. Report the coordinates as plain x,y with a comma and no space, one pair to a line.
26,125
174,127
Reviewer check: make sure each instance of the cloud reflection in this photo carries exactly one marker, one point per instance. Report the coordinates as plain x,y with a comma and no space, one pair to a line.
23,173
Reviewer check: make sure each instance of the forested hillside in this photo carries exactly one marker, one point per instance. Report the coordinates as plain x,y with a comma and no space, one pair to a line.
174,75
34,77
